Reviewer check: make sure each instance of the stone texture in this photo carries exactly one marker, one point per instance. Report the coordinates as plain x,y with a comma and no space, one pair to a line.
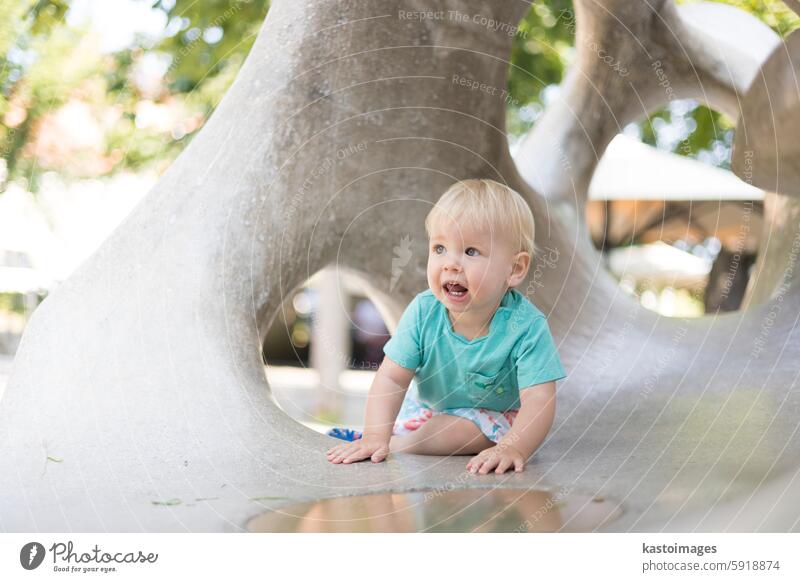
139,401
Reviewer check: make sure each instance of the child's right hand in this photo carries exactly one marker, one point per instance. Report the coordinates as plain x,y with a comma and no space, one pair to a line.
364,448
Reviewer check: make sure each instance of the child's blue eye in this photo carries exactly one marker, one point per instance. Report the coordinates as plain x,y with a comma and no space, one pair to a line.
438,249
475,252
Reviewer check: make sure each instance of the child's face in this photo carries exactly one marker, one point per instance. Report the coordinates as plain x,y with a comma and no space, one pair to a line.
482,262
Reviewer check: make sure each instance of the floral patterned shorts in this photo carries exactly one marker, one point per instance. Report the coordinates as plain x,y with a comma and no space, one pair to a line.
413,414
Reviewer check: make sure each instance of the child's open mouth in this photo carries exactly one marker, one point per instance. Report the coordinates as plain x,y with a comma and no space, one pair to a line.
455,291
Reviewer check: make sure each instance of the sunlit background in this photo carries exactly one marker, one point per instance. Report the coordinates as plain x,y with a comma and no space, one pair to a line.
99,97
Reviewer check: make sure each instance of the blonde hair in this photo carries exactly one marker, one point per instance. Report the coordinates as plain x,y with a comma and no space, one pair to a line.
490,205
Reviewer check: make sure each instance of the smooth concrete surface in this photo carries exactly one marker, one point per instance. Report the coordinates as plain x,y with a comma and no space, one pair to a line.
138,400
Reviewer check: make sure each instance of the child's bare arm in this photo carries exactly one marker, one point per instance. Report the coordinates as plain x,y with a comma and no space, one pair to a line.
533,422
385,399
383,403
534,419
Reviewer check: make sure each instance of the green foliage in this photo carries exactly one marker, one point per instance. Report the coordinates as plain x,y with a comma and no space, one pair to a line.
41,63
44,15
64,68
206,38
47,65
13,302
699,132
19,21
539,56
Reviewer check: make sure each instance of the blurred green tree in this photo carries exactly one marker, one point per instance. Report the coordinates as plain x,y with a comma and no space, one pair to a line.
541,52
67,106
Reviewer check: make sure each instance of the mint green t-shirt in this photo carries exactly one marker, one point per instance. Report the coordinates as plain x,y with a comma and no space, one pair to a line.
487,372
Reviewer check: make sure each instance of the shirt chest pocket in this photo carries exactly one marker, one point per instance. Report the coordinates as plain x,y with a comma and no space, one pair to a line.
490,390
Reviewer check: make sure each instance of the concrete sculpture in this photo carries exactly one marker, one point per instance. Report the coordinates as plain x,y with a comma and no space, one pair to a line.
139,401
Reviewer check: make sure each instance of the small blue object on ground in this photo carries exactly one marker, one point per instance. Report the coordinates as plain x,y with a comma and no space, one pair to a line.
346,434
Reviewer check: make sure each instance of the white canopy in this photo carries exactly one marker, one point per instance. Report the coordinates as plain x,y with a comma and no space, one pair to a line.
631,170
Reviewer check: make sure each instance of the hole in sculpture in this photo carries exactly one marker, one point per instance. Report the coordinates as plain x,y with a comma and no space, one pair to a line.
675,227
322,350
448,510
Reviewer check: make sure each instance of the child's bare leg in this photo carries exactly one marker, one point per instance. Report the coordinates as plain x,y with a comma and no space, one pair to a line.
444,434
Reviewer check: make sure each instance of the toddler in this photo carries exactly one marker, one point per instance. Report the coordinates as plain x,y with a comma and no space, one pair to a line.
482,355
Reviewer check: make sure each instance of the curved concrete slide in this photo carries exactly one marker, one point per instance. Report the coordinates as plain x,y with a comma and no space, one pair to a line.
139,400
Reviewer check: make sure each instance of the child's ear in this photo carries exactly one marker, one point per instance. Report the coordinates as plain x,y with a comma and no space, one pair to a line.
519,268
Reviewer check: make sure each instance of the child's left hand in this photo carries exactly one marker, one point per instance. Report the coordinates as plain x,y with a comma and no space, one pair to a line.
500,457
